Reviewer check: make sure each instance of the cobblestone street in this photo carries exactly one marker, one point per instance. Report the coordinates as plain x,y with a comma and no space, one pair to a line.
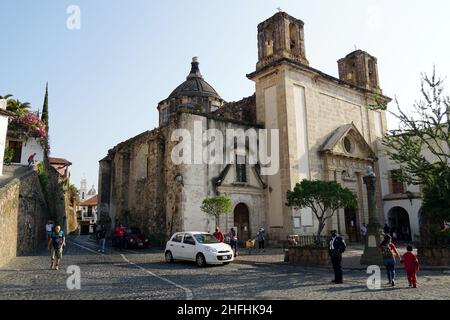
145,275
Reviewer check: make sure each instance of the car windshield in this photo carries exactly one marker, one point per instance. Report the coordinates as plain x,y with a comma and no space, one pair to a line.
133,231
206,238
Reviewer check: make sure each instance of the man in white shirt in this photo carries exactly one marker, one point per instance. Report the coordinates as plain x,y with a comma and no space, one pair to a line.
49,229
336,247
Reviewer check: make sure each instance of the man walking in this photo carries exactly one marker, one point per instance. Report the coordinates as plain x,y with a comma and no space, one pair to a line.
336,247
102,239
218,234
56,244
49,229
119,234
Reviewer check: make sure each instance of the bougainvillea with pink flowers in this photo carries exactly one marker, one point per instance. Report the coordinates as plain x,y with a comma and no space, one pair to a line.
28,126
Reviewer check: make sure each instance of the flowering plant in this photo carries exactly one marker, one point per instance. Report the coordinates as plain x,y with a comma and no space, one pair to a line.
28,125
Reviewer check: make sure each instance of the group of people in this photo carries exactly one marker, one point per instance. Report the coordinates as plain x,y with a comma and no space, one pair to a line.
389,252
396,234
232,239
56,241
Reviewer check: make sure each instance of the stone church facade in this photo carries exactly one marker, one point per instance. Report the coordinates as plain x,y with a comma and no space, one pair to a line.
326,131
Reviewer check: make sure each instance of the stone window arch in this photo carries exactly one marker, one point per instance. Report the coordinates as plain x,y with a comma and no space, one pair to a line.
294,41
141,163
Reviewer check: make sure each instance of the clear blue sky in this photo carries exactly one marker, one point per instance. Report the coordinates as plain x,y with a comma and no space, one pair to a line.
106,79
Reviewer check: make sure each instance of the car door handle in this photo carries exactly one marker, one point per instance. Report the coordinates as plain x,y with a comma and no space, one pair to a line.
171,245
182,246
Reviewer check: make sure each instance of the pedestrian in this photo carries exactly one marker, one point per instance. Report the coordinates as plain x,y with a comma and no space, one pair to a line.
261,237
218,235
233,240
49,229
336,248
56,245
411,265
389,251
363,231
31,160
386,228
102,239
394,235
119,233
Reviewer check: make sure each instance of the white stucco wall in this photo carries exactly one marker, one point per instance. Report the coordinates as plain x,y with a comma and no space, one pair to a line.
28,148
3,130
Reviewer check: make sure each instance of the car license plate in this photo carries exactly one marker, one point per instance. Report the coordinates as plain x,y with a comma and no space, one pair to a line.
140,244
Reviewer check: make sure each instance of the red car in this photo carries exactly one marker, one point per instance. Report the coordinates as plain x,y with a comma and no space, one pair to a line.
133,238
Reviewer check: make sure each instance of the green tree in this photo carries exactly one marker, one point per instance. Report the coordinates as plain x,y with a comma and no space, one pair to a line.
420,147
323,197
217,206
44,116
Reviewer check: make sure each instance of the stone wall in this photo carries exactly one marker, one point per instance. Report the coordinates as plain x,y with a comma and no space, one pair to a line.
23,215
437,256
308,256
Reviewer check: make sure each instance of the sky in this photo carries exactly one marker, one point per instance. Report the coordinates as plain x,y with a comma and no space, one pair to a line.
107,77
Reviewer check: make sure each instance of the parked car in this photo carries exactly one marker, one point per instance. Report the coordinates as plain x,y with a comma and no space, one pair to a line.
133,238
201,247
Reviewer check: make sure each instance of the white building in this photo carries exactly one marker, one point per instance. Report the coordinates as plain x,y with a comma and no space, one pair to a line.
23,149
3,130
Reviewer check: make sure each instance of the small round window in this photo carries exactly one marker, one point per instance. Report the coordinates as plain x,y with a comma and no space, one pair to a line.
348,145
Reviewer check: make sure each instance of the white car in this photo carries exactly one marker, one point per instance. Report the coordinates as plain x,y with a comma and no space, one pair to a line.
201,247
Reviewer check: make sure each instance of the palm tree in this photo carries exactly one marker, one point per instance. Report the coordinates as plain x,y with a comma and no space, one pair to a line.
6,96
19,108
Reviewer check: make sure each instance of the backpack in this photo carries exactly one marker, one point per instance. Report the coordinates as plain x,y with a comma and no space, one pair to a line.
386,251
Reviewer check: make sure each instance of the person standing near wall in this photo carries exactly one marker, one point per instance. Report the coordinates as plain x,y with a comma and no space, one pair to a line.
261,237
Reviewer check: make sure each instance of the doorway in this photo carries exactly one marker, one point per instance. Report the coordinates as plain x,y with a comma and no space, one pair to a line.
350,224
242,221
399,222
17,147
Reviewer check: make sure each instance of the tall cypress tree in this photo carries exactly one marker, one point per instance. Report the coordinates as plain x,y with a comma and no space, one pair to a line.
44,116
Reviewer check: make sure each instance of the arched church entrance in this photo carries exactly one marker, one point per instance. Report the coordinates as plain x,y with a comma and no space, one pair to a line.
242,221
399,222
351,224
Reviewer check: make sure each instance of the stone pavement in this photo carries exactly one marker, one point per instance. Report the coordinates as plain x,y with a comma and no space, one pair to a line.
143,274
350,260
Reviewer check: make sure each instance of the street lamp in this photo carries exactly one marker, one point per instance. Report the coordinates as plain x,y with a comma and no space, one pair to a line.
371,255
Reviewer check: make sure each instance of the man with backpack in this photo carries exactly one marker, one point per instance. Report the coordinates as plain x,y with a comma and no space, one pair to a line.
336,247
56,245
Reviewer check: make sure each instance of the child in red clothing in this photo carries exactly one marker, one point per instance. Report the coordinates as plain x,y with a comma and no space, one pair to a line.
411,265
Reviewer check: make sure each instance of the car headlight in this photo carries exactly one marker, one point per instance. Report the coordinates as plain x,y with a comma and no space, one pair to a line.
212,250
131,240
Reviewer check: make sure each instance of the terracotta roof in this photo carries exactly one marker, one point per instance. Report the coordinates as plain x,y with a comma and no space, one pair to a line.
62,161
90,202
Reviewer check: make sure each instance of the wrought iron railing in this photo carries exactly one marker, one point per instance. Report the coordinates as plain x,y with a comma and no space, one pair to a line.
308,241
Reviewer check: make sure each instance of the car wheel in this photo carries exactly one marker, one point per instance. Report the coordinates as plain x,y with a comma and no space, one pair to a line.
200,259
169,257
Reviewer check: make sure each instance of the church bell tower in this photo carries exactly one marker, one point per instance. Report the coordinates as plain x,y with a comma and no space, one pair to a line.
281,36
